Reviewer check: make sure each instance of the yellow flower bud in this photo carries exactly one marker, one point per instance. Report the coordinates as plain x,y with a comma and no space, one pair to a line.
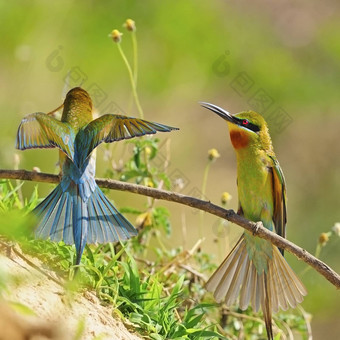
148,150
323,238
144,220
116,36
226,197
130,25
213,154
336,229
150,184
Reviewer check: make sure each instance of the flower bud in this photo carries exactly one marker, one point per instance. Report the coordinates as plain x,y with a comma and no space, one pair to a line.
130,25
336,229
150,184
226,197
323,238
116,36
144,220
213,154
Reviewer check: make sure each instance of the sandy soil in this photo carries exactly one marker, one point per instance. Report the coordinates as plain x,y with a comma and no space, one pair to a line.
58,315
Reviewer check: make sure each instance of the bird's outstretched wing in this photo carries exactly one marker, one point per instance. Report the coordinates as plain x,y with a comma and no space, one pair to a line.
39,130
111,128
279,194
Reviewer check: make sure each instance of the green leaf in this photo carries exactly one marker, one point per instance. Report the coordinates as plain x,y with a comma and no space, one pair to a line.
127,175
80,329
130,210
22,309
16,225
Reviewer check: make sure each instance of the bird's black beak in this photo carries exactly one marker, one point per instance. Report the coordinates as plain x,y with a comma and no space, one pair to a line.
222,113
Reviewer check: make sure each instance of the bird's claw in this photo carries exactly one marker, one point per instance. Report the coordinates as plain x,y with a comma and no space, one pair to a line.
256,228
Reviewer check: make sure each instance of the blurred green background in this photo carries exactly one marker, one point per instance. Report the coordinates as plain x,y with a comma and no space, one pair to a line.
280,58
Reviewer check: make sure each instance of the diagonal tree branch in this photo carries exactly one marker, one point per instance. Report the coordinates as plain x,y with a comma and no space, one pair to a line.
256,229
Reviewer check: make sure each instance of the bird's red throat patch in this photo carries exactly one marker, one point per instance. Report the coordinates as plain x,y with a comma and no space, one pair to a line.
239,139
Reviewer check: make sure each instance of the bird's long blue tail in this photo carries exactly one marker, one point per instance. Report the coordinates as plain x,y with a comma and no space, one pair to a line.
64,215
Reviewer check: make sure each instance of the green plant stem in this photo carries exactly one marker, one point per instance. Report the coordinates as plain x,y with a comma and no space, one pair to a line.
318,250
146,245
159,239
307,321
135,57
20,195
112,250
316,254
19,202
219,230
205,178
203,190
135,62
131,77
146,161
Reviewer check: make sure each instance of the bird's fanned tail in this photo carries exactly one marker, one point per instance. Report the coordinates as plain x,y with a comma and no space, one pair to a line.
106,223
94,220
278,287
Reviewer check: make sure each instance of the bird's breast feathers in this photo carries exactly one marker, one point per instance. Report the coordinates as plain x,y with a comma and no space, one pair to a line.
239,138
254,185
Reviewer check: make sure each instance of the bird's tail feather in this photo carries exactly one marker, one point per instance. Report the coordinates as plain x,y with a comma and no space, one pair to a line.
54,214
278,287
80,222
64,215
106,223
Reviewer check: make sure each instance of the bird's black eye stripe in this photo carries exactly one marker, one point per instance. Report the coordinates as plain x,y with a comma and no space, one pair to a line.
246,123
253,127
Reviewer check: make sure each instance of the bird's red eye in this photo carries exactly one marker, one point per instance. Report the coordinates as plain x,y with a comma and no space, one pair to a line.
245,122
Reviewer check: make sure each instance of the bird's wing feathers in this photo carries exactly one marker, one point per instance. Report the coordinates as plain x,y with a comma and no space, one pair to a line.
279,195
38,130
110,128
239,209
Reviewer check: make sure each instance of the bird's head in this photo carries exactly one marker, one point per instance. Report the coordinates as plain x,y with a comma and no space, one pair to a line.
247,128
77,94
77,107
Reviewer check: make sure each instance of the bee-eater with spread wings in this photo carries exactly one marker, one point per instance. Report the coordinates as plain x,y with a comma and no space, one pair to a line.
255,270
77,211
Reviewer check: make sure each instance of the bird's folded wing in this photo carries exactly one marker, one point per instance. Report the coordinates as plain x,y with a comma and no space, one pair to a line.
39,130
111,128
279,191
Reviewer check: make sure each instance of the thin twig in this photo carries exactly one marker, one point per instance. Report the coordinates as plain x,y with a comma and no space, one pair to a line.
256,229
192,271
307,322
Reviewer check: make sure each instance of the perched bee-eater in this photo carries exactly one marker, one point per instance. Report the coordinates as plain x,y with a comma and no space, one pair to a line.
255,270
77,211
